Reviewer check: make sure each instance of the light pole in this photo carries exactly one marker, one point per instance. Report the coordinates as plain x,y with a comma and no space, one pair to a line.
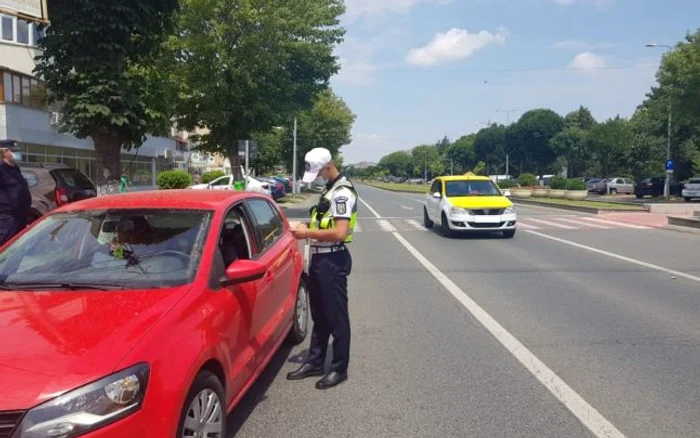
667,183
508,111
294,160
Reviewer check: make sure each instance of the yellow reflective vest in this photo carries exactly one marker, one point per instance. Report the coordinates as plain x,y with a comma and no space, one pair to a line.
321,215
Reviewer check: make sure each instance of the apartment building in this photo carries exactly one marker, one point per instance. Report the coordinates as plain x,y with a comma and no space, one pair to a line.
26,118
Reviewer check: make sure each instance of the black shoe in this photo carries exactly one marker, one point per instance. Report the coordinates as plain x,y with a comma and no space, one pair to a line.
331,379
304,371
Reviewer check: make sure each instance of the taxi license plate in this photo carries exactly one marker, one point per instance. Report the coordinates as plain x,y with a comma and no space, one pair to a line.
487,219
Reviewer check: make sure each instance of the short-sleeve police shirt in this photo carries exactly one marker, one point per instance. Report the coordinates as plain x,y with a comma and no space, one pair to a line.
343,203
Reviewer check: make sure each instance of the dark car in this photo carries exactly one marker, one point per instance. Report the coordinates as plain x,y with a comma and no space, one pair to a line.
55,185
654,186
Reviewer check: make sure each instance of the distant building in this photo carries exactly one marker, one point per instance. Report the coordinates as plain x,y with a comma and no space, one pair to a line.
362,165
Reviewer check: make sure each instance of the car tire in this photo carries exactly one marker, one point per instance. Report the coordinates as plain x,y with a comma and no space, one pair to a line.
613,191
205,385
445,226
427,223
300,323
640,196
508,234
687,199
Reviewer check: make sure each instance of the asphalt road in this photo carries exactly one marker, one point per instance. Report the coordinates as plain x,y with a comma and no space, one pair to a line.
610,309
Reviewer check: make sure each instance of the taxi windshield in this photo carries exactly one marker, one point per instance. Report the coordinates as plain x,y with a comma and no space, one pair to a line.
126,249
470,188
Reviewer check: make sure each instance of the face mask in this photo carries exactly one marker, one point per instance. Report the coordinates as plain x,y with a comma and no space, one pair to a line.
17,156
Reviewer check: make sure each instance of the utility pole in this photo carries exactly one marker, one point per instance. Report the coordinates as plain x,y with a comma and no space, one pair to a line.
507,165
508,111
425,166
294,160
667,184
247,171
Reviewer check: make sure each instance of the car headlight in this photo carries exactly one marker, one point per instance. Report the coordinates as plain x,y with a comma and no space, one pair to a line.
509,210
88,408
457,210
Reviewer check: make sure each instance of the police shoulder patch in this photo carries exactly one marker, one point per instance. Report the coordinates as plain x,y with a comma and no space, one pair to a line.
341,207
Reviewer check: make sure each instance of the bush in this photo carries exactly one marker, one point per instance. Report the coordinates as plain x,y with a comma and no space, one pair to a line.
506,184
527,179
576,184
558,183
173,179
208,177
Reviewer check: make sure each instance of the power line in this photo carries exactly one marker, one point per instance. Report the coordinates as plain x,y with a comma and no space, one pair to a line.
496,70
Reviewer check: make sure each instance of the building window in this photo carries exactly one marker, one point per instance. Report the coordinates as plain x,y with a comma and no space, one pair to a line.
16,30
22,32
22,90
8,31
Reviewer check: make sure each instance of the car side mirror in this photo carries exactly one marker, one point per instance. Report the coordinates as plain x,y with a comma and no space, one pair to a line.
506,193
244,271
437,195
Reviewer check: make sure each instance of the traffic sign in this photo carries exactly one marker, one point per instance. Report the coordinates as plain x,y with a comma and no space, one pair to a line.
669,164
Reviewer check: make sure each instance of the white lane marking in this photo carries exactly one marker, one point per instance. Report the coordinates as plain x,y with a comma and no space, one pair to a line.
585,224
618,224
620,257
586,413
521,224
358,227
386,225
415,224
405,207
374,218
371,210
552,224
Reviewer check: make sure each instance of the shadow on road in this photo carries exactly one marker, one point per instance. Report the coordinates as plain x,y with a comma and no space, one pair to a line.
258,392
466,235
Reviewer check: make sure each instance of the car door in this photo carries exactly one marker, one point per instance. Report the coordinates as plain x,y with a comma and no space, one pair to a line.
276,300
221,183
434,202
629,186
237,303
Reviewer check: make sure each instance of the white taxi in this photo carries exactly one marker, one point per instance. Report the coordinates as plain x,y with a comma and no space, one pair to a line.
691,189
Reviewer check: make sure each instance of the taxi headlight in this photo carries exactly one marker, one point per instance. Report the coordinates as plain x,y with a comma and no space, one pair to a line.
509,210
88,408
457,210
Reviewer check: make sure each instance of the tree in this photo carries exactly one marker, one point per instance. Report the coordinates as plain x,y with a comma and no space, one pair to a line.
461,153
327,124
570,144
528,139
427,158
104,74
679,79
611,143
580,119
270,147
245,67
490,147
397,163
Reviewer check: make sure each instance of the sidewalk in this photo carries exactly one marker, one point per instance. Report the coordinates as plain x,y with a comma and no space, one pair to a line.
300,210
655,220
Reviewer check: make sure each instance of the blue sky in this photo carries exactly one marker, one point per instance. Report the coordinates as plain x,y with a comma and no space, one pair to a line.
416,70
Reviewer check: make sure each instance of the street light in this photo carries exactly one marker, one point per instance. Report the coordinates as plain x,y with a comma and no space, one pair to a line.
667,183
294,157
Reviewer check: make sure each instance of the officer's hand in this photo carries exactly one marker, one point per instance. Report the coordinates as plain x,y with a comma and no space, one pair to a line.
299,232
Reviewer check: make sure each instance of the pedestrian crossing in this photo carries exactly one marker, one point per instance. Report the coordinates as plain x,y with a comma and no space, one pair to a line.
535,223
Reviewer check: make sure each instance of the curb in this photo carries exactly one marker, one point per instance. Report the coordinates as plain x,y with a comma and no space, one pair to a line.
577,208
684,222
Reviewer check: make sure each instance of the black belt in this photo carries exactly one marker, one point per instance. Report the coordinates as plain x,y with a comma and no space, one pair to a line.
327,249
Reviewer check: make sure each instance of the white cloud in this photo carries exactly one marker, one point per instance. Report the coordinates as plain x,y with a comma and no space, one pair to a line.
582,2
358,8
454,44
587,61
580,45
357,56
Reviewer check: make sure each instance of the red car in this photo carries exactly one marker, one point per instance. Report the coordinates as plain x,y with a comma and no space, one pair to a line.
144,314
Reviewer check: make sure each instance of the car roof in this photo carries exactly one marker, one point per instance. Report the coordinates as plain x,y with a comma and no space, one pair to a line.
465,177
187,199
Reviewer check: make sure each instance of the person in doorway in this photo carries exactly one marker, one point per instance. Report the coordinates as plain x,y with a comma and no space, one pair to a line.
329,231
15,198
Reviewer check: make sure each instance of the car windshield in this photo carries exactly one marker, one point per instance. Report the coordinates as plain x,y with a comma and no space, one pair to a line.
131,249
470,188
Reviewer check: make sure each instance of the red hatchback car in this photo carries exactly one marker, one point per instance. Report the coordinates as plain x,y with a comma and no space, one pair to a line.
144,314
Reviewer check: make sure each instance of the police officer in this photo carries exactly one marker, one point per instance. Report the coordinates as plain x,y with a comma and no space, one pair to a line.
329,230
15,198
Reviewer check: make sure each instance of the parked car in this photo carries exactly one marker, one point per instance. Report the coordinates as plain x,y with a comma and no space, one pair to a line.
276,188
691,189
131,313
286,182
592,184
654,186
55,185
226,183
619,185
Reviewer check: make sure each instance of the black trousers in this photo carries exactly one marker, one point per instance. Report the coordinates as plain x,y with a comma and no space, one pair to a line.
9,226
328,299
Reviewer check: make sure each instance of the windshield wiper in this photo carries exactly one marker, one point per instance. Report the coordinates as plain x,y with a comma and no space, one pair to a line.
70,285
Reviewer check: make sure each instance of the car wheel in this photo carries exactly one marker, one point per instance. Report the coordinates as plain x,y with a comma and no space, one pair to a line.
204,412
613,191
300,326
687,199
445,226
640,196
426,219
508,234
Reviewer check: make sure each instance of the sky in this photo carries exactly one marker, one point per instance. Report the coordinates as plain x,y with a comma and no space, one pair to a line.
414,71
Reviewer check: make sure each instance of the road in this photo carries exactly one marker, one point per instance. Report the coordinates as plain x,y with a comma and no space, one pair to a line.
457,337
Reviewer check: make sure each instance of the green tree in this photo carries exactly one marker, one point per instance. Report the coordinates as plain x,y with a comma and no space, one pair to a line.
270,147
529,139
490,147
104,76
570,144
397,163
461,153
328,124
245,67
580,119
427,157
611,143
